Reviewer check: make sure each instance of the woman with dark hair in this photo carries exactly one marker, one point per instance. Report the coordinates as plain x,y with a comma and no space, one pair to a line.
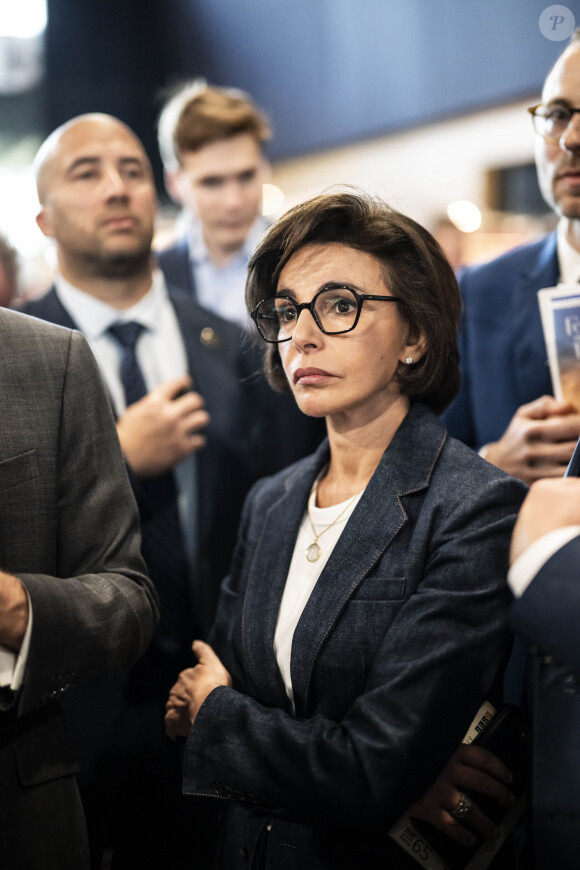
364,620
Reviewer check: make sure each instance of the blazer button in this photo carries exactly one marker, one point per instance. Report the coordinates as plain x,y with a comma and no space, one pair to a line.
244,853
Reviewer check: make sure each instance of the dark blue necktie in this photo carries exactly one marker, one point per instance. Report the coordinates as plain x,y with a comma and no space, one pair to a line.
162,538
127,335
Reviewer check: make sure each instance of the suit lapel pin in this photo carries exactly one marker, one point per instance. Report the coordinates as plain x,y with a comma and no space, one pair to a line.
210,338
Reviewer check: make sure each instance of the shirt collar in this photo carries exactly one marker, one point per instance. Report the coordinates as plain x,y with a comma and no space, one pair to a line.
568,259
93,316
198,252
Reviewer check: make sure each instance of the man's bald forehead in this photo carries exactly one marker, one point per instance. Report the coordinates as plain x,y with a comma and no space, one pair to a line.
572,51
57,140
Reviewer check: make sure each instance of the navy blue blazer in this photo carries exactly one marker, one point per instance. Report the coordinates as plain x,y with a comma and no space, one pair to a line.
547,616
175,265
397,646
504,360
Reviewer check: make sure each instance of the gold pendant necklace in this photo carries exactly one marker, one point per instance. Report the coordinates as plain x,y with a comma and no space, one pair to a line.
314,550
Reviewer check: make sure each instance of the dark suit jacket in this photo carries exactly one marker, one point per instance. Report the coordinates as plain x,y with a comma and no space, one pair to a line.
547,616
175,264
503,354
69,531
237,450
395,650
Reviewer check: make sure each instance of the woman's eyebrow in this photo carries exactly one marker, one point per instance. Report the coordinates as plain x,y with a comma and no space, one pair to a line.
328,285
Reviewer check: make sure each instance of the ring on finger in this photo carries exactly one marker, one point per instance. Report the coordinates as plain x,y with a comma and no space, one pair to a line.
462,808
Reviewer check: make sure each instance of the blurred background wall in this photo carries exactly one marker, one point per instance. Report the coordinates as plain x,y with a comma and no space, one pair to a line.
422,101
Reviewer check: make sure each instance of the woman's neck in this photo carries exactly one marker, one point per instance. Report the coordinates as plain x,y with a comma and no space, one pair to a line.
355,452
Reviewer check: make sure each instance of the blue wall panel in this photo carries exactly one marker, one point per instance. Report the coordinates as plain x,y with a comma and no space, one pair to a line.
336,71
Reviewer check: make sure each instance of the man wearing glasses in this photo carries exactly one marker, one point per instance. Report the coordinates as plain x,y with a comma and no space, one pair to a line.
518,425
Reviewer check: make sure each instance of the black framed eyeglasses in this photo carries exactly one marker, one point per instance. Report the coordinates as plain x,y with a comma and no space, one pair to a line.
551,122
335,310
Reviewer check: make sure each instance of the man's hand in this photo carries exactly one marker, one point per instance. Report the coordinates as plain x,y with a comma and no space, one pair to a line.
539,440
13,611
474,769
163,428
549,505
192,688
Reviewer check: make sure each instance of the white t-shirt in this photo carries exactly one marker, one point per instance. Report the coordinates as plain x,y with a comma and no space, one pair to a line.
303,574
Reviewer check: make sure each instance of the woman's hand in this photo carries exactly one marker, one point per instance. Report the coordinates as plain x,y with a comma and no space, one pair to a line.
192,688
470,768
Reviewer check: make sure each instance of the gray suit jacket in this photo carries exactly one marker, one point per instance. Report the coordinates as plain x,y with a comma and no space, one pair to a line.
396,648
69,530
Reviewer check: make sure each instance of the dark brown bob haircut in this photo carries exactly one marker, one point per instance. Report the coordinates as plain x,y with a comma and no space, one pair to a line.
414,268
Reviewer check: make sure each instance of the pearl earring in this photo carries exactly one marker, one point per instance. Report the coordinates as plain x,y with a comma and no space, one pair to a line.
409,360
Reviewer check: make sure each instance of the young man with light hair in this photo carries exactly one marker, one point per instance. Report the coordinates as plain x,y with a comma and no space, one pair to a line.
212,145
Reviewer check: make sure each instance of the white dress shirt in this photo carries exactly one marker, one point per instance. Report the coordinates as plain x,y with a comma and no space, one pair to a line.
12,664
568,259
161,355
160,350
527,565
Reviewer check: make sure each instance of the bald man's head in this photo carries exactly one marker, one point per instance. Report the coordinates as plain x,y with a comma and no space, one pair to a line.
97,195
558,160
58,140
